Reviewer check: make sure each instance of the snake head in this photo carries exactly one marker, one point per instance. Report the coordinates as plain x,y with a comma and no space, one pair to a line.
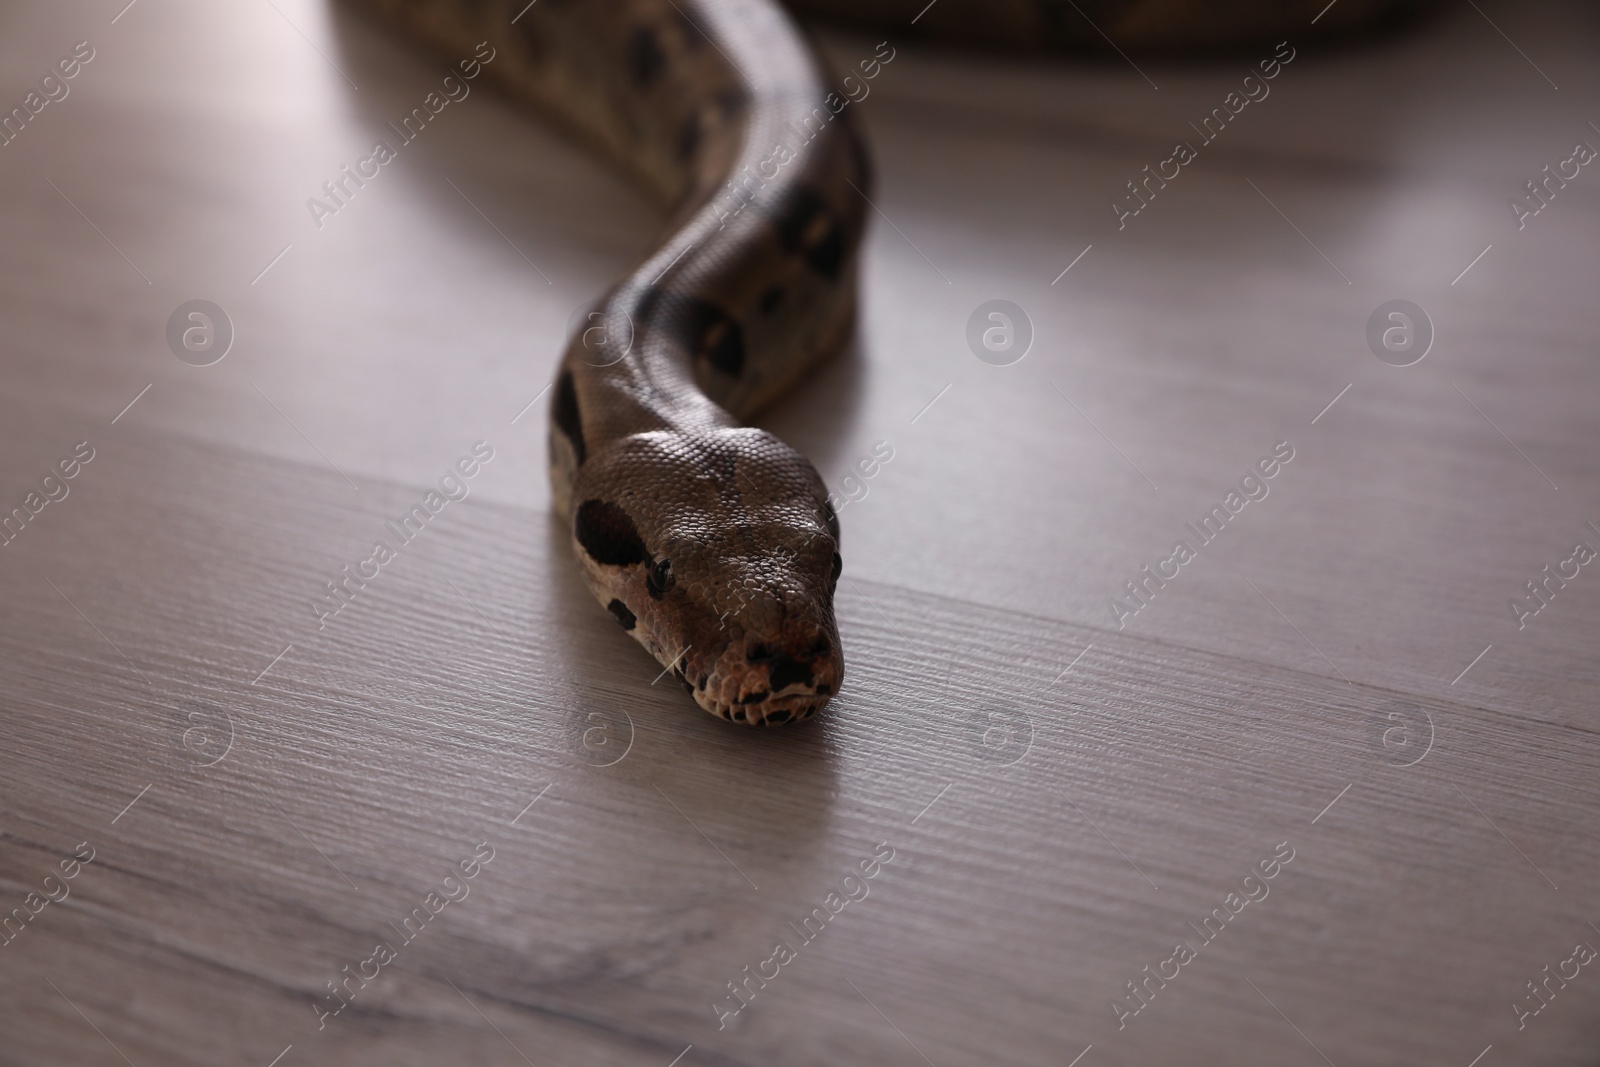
718,551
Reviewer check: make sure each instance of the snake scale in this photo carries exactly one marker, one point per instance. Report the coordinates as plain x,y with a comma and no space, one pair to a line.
713,543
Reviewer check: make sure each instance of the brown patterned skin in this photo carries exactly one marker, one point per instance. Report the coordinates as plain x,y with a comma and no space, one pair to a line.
713,544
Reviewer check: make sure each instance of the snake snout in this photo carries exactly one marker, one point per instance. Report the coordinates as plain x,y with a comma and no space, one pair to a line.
772,682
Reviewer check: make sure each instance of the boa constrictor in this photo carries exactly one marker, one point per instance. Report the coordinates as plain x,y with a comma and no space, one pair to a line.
712,543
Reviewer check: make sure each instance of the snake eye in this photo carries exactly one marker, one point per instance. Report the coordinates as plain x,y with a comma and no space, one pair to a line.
659,580
838,567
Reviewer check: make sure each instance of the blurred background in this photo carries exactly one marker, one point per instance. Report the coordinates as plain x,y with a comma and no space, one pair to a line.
1068,787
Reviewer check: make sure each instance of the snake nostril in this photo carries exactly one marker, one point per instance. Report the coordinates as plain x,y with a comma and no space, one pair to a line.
786,671
821,647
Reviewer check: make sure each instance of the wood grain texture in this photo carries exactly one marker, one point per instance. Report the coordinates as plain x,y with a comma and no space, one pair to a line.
1063,798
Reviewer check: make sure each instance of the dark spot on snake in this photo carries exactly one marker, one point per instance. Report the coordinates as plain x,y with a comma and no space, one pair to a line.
659,579
777,718
687,688
821,647
646,305
786,671
824,689
806,226
689,136
753,698
624,616
795,215
759,654
608,535
736,714
771,299
715,336
646,60
564,413
826,257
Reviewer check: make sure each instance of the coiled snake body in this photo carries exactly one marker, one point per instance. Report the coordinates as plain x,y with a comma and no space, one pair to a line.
711,543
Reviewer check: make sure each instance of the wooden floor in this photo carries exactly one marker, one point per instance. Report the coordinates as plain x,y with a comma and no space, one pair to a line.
1067,790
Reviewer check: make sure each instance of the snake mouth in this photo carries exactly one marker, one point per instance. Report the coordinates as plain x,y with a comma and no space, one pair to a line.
766,683
772,711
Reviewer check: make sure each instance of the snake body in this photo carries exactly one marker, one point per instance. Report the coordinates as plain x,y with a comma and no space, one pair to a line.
711,543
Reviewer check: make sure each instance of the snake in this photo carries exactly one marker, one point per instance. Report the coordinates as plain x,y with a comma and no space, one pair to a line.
711,542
